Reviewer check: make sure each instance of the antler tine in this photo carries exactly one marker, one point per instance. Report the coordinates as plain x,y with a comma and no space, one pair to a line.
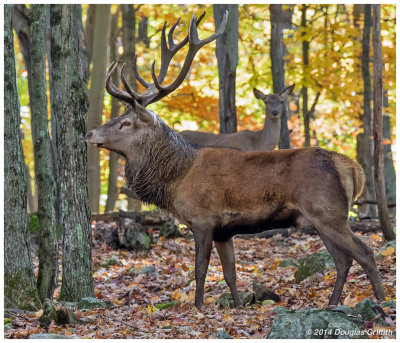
168,52
193,34
113,89
194,45
131,91
138,76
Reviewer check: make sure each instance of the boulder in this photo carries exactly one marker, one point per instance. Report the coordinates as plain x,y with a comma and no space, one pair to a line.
315,323
89,303
319,262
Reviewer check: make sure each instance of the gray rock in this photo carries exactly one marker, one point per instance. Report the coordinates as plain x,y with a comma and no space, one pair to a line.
8,326
343,309
226,300
319,262
389,303
89,303
222,334
145,270
288,262
48,336
369,309
314,323
132,235
392,244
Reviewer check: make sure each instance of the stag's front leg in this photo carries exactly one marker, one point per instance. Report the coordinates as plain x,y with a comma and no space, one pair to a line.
203,245
227,255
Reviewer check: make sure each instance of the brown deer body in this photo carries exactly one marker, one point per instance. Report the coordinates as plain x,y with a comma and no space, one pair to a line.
263,140
220,192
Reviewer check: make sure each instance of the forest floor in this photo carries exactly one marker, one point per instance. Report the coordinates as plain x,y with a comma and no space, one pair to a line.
172,280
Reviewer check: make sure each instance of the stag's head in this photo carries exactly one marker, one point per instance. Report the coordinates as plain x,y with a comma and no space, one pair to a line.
273,102
138,125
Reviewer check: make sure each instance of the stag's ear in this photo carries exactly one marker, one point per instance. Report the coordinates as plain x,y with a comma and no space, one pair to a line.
286,92
258,94
143,114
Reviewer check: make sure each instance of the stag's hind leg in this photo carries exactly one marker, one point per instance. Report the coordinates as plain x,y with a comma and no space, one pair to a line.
227,256
203,245
343,263
340,234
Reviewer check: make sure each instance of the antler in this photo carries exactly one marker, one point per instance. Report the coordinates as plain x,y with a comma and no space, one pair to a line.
154,91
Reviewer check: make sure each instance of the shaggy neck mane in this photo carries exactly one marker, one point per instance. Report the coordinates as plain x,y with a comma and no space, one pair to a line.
164,158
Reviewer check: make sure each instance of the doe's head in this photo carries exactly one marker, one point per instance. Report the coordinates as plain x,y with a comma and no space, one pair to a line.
273,102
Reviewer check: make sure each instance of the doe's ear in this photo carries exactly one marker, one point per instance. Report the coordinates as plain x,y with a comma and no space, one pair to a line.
258,94
286,92
143,114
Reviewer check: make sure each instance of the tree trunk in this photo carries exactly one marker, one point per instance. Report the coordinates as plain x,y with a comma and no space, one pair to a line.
227,56
277,67
129,42
32,203
142,32
390,174
19,279
378,139
304,90
48,265
89,33
70,106
96,98
112,195
364,142
53,146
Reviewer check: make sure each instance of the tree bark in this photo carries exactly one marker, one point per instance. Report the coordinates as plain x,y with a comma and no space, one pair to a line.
89,33
129,44
19,279
142,32
277,67
96,98
70,106
227,56
390,174
378,139
304,90
48,265
365,142
112,194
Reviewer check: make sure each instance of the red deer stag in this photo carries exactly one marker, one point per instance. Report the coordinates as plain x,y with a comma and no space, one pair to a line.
221,192
263,140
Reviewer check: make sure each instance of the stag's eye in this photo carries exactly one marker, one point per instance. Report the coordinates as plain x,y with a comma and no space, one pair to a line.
124,123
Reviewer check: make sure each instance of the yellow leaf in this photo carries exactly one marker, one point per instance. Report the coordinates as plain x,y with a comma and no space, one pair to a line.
154,309
39,313
389,251
148,309
227,318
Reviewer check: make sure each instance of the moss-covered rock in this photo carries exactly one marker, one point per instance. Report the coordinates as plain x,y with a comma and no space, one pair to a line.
89,303
288,262
319,262
314,323
169,230
222,334
226,300
48,336
369,309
